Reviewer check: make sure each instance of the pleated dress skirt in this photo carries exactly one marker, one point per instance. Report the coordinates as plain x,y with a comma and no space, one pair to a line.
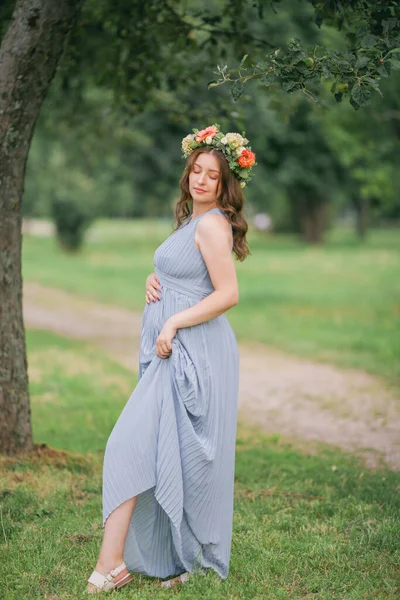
173,445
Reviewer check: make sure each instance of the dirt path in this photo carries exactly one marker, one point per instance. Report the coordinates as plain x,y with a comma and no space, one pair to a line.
280,393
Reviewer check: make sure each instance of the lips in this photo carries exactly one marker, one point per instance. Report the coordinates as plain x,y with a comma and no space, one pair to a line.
199,191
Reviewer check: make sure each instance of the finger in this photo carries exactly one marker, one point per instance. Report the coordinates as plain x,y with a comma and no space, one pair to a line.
155,283
154,292
166,349
151,290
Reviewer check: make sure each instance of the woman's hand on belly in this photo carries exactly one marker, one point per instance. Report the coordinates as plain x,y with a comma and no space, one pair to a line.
164,340
152,285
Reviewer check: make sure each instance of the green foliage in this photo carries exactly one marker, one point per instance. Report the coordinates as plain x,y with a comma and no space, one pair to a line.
122,155
71,219
141,50
372,32
367,147
301,165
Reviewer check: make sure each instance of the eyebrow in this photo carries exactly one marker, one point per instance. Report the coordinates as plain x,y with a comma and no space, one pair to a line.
213,170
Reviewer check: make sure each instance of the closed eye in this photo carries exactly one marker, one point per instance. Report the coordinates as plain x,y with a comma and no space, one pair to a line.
198,172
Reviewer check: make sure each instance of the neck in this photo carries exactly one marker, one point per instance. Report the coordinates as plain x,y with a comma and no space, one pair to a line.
200,210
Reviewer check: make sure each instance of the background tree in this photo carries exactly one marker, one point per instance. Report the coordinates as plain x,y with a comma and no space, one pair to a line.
29,55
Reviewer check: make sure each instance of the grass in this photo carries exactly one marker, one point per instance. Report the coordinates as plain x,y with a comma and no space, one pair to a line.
310,522
338,303
76,380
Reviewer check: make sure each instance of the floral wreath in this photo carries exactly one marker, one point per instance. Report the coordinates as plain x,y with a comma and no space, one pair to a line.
232,145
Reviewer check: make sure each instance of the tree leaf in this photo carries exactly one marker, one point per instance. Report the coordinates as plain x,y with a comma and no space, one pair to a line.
369,40
362,61
243,60
382,71
289,85
395,64
338,97
388,25
302,68
237,90
311,95
326,71
361,95
268,79
374,84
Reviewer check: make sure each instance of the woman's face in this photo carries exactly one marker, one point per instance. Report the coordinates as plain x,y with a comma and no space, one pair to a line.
204,179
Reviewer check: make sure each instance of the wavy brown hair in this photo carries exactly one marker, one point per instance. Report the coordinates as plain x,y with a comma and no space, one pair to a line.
230,200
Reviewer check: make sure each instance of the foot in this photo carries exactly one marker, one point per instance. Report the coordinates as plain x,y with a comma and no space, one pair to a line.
106,569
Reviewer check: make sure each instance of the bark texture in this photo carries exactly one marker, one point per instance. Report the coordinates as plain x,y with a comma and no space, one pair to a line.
314,222
311,213
29,55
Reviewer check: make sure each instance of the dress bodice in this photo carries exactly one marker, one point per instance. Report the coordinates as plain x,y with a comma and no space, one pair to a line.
179,264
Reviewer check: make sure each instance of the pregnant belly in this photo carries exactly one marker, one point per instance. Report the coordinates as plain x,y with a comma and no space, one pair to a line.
155,315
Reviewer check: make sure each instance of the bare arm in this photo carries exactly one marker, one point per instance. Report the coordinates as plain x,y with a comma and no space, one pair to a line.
213,238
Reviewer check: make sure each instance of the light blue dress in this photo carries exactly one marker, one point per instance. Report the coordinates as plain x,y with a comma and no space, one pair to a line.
173,445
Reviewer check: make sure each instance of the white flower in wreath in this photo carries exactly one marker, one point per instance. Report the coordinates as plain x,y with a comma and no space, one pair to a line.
209,139
235,140
187,143
239,150
242,184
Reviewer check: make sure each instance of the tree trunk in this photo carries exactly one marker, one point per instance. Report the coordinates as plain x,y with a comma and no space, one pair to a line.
311,214
362,206
29,55
314,222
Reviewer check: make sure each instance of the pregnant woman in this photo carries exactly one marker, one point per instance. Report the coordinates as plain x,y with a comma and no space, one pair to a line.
168,469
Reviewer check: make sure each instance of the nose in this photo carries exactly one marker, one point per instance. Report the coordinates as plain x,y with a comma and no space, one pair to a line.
200,178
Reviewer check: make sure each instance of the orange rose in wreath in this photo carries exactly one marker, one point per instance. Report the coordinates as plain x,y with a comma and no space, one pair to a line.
246,159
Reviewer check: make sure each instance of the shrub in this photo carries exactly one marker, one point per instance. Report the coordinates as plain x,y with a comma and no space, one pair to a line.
72,219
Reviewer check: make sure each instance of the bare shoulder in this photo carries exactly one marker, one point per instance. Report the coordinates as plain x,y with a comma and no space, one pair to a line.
213,223
213,230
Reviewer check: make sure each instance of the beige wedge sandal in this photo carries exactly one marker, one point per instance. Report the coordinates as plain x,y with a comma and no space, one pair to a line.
105,583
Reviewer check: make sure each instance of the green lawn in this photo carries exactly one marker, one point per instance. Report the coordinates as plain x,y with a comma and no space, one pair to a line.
307,524
338,303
